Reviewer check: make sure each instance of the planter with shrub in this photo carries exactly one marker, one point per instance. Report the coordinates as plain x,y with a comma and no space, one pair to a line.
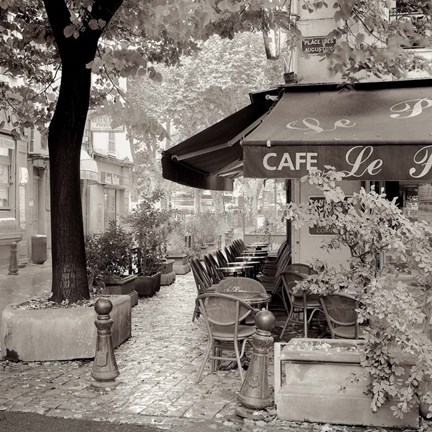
109,262
150,227
395,309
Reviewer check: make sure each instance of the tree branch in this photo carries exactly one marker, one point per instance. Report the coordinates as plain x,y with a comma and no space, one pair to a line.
59,18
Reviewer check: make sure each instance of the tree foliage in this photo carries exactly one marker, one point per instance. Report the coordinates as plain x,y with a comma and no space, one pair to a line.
200,90
51,47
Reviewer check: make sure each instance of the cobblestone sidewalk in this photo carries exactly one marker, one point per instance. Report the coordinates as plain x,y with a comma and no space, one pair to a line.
158,367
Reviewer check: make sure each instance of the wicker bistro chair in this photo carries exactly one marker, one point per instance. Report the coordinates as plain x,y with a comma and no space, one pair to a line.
212,269
341,316
223,315
202,281
229,255
228,266
302,302
273,282
222,261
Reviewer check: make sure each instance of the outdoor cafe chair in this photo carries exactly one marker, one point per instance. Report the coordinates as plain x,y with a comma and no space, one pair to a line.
222,261
236,247
212,269
223,315
229,266
299,301
229,255
202,282
271,265
273,282
341,316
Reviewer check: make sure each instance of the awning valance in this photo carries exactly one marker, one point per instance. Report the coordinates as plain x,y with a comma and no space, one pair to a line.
369,130
88,168
212,158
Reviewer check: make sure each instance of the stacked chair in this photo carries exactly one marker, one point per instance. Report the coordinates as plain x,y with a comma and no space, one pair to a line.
236,259
224,316
341,314
229,320
203,282
271,276
301,302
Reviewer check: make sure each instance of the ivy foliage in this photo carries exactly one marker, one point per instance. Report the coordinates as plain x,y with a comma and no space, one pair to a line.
389,272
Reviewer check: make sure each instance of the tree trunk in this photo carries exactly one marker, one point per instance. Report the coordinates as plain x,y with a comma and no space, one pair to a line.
64,142
66,130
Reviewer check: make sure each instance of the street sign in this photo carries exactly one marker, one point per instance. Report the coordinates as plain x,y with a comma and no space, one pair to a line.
317,44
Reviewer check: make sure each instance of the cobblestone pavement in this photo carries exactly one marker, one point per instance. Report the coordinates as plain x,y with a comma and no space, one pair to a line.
158,367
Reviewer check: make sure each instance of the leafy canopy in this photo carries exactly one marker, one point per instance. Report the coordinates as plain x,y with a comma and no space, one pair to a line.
142,34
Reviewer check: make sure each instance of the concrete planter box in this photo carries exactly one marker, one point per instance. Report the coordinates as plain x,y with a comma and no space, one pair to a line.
147,286
59,334
167,272
123,286
181,265
318,388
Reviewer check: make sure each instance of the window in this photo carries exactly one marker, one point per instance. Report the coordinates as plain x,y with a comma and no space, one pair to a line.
32,141
111,143
5,179
110,208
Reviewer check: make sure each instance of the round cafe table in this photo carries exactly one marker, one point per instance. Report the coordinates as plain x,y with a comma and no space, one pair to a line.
256,264
238,270
252,298
248,261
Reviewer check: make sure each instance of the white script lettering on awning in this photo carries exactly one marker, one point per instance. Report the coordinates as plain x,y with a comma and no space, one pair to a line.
357,162
300,160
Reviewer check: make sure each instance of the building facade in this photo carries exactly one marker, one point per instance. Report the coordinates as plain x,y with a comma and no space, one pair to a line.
309,66
105,193
14,190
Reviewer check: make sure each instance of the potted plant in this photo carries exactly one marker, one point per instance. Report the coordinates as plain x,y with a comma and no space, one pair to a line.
390,274
109,260
150,227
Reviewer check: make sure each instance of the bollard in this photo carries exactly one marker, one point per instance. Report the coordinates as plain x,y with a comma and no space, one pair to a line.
105,368
254,393
13,262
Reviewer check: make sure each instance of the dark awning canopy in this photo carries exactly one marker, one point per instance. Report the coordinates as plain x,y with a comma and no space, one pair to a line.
378,130
212,158
370,130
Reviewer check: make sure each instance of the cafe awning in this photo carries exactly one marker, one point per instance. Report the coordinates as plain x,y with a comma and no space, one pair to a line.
212,158
375,131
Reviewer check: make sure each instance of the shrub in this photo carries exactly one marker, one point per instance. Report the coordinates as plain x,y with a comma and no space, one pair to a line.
382,242
108,254
150,228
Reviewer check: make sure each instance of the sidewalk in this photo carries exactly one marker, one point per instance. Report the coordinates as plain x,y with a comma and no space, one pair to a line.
158,366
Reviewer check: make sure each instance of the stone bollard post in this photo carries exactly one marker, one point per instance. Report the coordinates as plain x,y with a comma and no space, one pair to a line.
254,393
105,368
13,262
